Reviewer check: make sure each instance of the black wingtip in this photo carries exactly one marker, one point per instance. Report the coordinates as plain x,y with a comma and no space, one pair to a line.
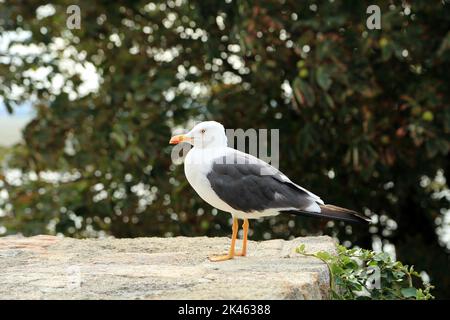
339,213
332,212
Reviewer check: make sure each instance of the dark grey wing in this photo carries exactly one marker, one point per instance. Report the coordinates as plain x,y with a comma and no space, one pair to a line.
250,185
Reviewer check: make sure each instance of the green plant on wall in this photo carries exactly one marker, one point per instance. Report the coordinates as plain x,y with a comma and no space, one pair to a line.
364,274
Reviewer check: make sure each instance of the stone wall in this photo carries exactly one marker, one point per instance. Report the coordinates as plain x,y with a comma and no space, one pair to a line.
47,267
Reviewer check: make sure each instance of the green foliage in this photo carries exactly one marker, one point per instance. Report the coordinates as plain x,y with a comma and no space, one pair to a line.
3,153
363,115
364,274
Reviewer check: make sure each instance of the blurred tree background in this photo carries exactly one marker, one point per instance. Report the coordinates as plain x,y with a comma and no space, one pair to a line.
364,115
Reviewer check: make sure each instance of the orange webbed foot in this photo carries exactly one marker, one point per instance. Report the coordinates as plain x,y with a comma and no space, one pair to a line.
241,254
223,257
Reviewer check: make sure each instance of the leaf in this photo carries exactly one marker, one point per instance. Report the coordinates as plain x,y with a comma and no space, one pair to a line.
304,93
324,255
119,138
445,45
386,52
409,292
8,106
301,248
323,78
329,101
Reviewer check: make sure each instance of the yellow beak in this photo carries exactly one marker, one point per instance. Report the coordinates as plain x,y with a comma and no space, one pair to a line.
179,138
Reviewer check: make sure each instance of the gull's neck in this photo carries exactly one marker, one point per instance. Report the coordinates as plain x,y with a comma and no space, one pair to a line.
218,143
202,156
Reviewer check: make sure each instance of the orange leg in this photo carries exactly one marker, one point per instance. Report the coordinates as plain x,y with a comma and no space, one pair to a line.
243,253
230,254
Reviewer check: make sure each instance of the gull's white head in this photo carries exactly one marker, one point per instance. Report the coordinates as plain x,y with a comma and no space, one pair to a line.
207,134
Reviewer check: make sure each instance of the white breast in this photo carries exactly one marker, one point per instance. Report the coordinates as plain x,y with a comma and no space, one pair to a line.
197,165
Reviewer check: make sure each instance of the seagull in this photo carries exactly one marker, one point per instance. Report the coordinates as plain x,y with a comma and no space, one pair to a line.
245,186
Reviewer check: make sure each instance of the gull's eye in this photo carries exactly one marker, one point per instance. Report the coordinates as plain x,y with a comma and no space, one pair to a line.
203,131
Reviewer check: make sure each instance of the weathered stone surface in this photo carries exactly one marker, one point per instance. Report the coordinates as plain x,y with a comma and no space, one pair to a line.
46,267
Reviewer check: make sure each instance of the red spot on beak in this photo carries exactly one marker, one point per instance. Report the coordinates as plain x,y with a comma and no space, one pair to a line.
177,139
